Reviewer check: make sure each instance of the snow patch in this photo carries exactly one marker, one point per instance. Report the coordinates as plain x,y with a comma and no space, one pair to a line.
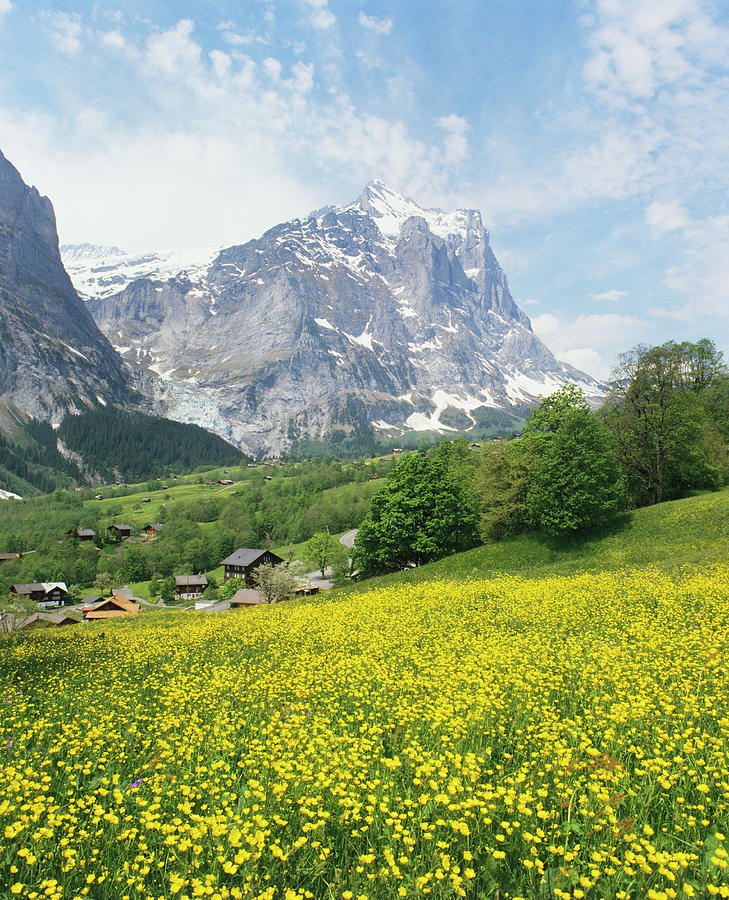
324,323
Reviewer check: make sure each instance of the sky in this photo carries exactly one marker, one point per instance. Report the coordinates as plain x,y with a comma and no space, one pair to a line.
593,135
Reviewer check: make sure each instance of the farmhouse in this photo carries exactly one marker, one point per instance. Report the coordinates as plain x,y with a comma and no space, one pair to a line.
119,532
153,530
190,587
111,608
244,562
45,593
83,534
246,597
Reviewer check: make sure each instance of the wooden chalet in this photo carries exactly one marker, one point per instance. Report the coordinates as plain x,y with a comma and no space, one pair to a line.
119,532
111,608
45,593
153,530
4,557
83,534
246,597
244,562
190,587
225,481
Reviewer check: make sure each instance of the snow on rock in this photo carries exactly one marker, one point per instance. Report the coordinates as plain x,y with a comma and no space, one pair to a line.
100,272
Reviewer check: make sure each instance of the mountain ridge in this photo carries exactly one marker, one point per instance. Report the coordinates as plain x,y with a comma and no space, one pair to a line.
376,317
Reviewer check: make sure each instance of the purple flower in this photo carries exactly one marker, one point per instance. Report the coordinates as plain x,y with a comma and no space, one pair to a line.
135,784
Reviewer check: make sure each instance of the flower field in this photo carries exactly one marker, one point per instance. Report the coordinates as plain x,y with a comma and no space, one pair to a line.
555,737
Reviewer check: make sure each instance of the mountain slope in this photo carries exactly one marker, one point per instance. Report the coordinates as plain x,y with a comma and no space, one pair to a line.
377,317
53,358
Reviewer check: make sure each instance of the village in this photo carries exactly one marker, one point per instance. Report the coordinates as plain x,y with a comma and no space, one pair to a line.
54,611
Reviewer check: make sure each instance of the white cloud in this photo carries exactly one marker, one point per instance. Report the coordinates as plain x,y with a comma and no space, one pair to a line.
612,296
66,32
456,142
590,341
663,218
243,144
320,16
5,7
114,40
700,276
174,49
372,23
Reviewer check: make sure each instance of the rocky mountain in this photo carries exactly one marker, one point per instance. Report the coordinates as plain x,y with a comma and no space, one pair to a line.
53,358
376,317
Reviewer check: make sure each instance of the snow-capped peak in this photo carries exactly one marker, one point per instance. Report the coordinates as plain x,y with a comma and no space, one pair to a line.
390,210
98,271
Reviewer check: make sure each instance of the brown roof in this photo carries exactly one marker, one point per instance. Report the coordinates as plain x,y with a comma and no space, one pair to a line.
190,580
4,556
111,607
62,618
247,597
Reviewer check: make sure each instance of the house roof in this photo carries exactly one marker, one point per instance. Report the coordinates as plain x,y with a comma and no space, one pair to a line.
220,606
247,597
158,526
63,618
9,555
86,532
35,619
49,585
112,606
120,527
27,588
244,556
190,580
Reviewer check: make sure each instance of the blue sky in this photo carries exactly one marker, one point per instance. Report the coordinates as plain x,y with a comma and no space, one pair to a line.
593,135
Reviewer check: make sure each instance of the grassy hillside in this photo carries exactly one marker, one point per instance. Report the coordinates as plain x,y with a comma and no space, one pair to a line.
694,530
555,737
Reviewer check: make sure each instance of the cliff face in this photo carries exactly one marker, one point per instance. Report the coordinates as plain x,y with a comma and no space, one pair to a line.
53,358
375,317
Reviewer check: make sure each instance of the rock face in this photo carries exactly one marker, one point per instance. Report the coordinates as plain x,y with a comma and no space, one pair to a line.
53,358
376,317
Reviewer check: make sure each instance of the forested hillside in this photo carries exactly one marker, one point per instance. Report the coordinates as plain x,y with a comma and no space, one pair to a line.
133,446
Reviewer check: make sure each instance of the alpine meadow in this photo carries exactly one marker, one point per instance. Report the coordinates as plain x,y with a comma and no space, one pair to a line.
364,450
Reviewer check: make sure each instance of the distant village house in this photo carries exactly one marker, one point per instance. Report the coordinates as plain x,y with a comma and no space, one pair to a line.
152,530
190,587
46,594
4,557
244,561
119,532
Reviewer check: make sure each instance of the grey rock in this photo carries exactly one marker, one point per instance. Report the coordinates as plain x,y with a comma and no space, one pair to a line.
53,358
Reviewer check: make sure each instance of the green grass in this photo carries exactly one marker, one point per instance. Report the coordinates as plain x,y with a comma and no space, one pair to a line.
295,551
694,530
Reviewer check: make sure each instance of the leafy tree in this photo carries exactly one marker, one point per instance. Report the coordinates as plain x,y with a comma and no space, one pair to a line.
211,594
134,565
574,483
279,582
231,586
103,583
421,513
501,485
322,550
664,410
168,590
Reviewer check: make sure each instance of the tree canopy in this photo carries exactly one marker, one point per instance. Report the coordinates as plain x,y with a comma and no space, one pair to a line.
423,512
